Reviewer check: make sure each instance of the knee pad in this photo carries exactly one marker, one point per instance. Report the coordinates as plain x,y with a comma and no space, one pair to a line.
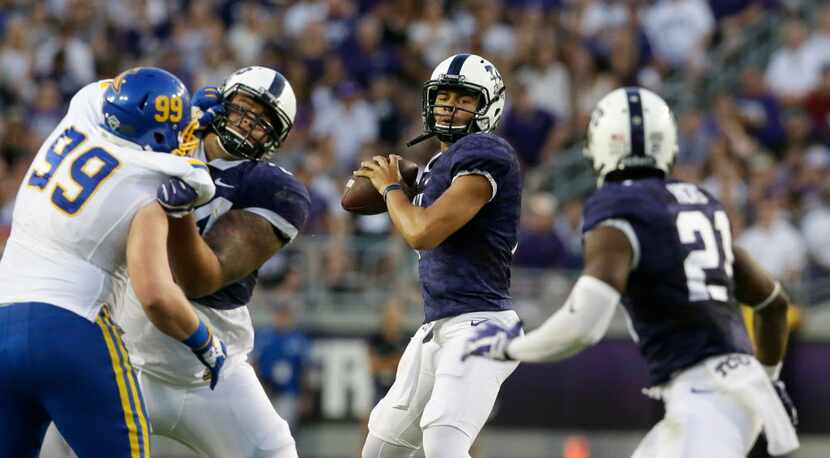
376,447
279,443
446,442
286,451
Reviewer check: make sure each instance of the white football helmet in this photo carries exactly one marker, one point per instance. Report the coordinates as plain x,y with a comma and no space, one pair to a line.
631,128
275,93
472,73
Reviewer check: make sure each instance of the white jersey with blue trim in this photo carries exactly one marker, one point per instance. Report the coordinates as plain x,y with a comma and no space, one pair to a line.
74,209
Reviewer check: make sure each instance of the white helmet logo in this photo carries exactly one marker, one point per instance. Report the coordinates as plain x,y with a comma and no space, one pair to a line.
631,127
112,121
495,77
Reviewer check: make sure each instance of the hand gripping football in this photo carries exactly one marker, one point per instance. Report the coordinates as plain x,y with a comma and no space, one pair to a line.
362,198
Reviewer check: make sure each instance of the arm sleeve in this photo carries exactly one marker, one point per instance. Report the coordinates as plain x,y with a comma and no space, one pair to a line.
581,322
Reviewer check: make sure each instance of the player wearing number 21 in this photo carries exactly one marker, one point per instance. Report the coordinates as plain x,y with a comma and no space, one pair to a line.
664,248
86,215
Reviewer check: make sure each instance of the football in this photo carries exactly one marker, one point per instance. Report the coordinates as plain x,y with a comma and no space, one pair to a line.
362,198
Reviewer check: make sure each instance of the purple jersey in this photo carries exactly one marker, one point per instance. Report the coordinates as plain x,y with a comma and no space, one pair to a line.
680,293
470,270
257,187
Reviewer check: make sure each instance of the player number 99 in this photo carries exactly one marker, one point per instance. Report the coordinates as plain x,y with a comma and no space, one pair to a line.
169,108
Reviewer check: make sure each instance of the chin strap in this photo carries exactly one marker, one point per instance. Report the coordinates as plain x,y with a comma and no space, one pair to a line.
188,142
420,138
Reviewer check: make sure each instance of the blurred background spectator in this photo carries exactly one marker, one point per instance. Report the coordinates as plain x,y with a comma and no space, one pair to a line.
386,348
281,356
792,69
540,246
774,242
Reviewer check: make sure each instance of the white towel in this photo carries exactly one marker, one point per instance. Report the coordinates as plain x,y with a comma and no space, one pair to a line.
743,376
409,385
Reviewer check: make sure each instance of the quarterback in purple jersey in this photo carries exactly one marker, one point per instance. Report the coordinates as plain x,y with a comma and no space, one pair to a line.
463,223
663,248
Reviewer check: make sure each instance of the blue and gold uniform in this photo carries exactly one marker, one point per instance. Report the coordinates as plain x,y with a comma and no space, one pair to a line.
60,367
61,355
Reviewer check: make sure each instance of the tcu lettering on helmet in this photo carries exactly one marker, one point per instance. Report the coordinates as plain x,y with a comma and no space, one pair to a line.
147,106
471,73
631,128
269,88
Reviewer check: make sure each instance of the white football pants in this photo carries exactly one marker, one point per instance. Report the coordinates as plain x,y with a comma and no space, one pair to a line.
433,387
702,420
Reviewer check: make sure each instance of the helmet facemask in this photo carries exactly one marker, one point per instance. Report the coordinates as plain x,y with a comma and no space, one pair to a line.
237,127
453,132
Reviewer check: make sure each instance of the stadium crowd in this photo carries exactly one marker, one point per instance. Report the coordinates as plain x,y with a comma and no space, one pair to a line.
759,141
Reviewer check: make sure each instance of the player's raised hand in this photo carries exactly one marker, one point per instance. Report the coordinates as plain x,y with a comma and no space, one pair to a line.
176,197
206,97
210,350
491,340
206,105
381,171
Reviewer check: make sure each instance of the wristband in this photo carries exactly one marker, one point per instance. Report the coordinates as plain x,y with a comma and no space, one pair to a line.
773,371
391,188
199,338
507,356
776,290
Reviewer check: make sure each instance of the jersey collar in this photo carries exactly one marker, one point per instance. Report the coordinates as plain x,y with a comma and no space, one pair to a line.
431,161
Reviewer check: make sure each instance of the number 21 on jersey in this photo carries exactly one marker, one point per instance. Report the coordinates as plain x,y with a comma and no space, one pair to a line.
87,171
692,224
